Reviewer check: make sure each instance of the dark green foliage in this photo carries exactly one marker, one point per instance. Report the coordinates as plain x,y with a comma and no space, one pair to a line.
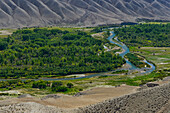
61,89
134,59
120,72
48,53
103,76
1,59
152,35
71,36
58,87
3,45
11,84
97,30
56,31
70,85
57,84
39,84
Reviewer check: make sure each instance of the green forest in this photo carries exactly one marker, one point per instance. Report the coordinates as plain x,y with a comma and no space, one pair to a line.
136,60
34,53
144,35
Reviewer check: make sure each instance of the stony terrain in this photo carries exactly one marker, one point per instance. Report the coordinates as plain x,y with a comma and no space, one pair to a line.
30,107
20,13
151,100
147,101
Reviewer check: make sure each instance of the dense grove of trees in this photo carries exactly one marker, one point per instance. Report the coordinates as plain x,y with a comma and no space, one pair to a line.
12,84
137,61
50,53
153,35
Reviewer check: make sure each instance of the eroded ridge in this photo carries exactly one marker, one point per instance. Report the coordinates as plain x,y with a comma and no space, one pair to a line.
21,13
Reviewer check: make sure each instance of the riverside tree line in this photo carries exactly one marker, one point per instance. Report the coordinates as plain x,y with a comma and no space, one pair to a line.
145,35
34,53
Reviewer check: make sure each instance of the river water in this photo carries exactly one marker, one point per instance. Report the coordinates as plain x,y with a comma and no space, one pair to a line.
125,51
124,47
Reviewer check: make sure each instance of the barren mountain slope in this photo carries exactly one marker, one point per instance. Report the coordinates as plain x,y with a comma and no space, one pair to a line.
20,13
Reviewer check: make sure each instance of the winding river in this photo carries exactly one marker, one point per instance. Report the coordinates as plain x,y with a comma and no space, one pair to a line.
125,51
124,47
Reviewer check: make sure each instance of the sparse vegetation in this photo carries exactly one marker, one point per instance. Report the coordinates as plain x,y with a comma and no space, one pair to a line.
120,72
158,55
140,80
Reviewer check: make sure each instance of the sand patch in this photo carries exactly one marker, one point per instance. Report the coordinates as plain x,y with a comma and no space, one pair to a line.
5,32
163,63
98,35
88,97
76,75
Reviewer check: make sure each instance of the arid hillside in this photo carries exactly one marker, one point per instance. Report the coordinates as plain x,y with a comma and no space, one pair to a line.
20,13
150,100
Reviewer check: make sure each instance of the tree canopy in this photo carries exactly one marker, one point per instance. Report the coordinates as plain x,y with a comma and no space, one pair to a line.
153,35
50,53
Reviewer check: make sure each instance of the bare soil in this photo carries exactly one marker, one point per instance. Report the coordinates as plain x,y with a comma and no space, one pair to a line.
5,32
88,97
94,96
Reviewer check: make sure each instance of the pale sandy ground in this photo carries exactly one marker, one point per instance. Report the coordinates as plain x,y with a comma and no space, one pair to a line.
91,96
5,32
166,108
88,97
97,34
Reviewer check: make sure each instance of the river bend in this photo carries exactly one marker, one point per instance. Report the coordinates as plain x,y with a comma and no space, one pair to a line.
125,51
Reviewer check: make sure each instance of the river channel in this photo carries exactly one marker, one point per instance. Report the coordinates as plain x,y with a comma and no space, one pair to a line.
125,51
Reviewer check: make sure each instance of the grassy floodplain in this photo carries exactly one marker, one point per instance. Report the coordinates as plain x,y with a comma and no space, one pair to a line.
158,55
156,22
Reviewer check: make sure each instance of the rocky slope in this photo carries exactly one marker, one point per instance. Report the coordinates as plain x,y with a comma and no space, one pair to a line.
20,13
152,100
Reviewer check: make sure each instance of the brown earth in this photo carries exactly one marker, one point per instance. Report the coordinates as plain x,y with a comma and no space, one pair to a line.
103,96
5,32
88,97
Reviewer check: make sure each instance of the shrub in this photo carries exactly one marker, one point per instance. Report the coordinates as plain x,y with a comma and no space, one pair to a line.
3,45
57,84
39,84
60,89
70,85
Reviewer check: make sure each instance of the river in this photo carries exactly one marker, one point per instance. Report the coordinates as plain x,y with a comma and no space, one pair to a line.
125,51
